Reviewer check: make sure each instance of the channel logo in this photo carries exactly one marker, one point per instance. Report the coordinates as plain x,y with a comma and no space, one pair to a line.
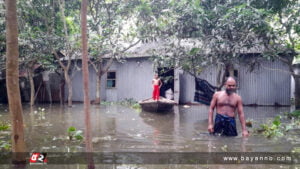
38,158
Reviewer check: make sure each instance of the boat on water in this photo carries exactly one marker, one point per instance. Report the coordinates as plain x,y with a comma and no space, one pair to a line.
161,105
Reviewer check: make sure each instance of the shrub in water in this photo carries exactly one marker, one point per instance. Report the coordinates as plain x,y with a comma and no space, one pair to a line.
75,134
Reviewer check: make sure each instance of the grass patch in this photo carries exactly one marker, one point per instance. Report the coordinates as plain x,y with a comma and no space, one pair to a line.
4,125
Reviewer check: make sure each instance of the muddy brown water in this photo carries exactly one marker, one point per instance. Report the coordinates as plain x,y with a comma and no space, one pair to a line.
117,128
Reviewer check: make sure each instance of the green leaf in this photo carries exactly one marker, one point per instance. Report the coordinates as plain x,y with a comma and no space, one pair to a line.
71,129
78,135
276,121
295,113
194,51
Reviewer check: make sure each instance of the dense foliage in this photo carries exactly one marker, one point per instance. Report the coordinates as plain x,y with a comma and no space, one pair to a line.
190,34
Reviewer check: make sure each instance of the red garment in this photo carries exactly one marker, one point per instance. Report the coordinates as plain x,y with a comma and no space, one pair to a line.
155,93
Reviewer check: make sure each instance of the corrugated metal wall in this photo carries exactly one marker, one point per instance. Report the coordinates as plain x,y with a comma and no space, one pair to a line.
78,86
134,79
268,84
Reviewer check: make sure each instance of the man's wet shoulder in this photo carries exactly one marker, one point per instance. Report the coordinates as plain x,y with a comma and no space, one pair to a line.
219,93
216,94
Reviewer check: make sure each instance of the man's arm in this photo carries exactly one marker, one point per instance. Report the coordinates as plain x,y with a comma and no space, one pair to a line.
211,113
242,117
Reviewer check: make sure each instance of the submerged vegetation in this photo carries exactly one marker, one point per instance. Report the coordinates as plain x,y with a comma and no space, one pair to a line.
127,102
5,142
40,113
75,134
131,103
295,114
5,145
272,128
249,123
4,125
106,103
280,125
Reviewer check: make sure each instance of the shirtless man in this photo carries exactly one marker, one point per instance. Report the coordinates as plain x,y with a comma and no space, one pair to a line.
226,102
156,82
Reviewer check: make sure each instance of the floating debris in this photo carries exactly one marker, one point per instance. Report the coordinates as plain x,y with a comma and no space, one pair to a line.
224,148
296,150
105,138
46,148
249,123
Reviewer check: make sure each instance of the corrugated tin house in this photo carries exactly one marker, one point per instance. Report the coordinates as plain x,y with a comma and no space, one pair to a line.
267,84
129,80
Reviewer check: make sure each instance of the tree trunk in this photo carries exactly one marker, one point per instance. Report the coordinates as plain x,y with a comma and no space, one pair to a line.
85,72
12,83
220,76
32,90
230,69
297,92
46,79
69,84
98,70
295,69
61,91
48,90
68,49
98,90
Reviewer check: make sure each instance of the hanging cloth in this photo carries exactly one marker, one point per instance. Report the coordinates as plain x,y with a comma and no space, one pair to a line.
204,91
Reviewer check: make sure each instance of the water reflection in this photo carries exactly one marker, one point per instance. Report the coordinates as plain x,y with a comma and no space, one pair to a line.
162,126
118,128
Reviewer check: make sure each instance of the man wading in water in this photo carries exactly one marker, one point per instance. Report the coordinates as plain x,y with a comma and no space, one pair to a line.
226,102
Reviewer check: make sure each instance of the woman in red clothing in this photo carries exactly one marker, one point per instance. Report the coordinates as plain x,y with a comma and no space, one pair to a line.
156,82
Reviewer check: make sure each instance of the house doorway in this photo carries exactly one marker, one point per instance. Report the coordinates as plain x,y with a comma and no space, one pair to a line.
167,77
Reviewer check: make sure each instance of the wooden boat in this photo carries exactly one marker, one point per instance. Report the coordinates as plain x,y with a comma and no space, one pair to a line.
161,105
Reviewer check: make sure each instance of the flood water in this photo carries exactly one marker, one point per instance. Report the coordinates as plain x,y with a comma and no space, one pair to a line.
117,128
